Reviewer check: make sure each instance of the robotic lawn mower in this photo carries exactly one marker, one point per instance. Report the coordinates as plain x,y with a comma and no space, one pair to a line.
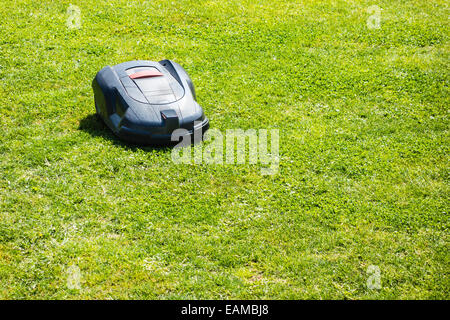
143,102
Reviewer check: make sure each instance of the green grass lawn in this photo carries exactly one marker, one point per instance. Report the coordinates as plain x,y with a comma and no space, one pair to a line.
364,153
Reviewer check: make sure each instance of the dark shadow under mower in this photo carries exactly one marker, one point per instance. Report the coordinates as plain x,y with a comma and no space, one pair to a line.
144,102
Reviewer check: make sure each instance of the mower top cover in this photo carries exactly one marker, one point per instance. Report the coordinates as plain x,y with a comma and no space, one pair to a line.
143,102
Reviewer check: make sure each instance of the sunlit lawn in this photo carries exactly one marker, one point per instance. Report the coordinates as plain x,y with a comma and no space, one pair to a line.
364,142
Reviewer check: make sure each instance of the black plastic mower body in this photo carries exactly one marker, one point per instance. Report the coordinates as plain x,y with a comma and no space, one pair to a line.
143,102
